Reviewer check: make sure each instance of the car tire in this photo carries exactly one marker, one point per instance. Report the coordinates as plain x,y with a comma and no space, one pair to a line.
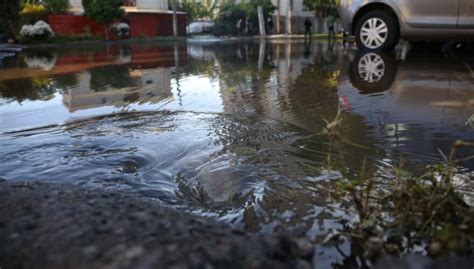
379,78
377,30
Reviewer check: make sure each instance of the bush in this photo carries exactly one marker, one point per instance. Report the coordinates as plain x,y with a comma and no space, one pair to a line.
39,30
194,10
9,10
57,6
103,11
121,29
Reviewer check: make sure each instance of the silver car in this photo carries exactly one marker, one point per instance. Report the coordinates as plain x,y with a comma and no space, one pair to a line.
379,24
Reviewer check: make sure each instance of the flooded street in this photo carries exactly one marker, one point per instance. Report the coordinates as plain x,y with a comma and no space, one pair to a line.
233,131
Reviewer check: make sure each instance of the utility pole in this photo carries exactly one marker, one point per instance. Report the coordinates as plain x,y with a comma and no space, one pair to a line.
261,21
278,17
288,19
175,20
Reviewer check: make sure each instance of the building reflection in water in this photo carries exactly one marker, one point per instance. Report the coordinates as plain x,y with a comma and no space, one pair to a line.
141,75
146,86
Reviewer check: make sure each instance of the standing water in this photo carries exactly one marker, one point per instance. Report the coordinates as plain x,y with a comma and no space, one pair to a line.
231,131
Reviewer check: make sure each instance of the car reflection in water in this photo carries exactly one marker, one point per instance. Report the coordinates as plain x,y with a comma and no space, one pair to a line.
433,94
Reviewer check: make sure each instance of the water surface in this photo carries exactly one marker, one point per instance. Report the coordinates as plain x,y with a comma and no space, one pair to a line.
232,131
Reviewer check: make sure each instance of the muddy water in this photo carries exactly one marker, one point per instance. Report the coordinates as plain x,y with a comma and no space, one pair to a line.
231,131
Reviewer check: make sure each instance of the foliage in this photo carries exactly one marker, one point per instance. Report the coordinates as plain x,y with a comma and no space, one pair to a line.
10,14
230,14
194,10
322,8
103,11
32,8
320,4
31,13
57,6
252,12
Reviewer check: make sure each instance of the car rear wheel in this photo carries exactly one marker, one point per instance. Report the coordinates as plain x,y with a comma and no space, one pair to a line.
377,30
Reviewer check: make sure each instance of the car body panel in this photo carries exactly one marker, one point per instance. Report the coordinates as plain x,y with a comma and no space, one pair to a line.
435,14
466,14
420,19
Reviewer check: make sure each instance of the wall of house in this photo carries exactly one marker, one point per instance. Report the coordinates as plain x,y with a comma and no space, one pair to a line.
298,15
148,24
152,4
298,9
67,25
76,3
140,4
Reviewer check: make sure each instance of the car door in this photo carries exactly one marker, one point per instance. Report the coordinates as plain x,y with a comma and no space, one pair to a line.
466,14
430,13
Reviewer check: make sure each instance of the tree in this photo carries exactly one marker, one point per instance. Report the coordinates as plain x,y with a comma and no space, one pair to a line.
57,6
103,11
175,20
194,10
10,10
230,13
319,7
252,13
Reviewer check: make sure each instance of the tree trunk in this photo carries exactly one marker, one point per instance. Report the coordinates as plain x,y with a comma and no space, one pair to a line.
175,20
261,21
106,33
319,20
288,21
278,18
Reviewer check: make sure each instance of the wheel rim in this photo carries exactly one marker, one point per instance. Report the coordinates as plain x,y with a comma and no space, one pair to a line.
374,33
371,67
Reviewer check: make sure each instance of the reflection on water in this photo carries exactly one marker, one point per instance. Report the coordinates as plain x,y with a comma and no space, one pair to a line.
416,106
118,87
230,131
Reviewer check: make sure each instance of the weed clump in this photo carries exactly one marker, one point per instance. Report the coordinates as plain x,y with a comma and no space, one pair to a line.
428,214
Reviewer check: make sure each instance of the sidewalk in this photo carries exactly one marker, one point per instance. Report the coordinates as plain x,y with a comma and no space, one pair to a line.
196,38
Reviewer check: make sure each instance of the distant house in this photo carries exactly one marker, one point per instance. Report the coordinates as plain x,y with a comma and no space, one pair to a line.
297,12
130,5
147,18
